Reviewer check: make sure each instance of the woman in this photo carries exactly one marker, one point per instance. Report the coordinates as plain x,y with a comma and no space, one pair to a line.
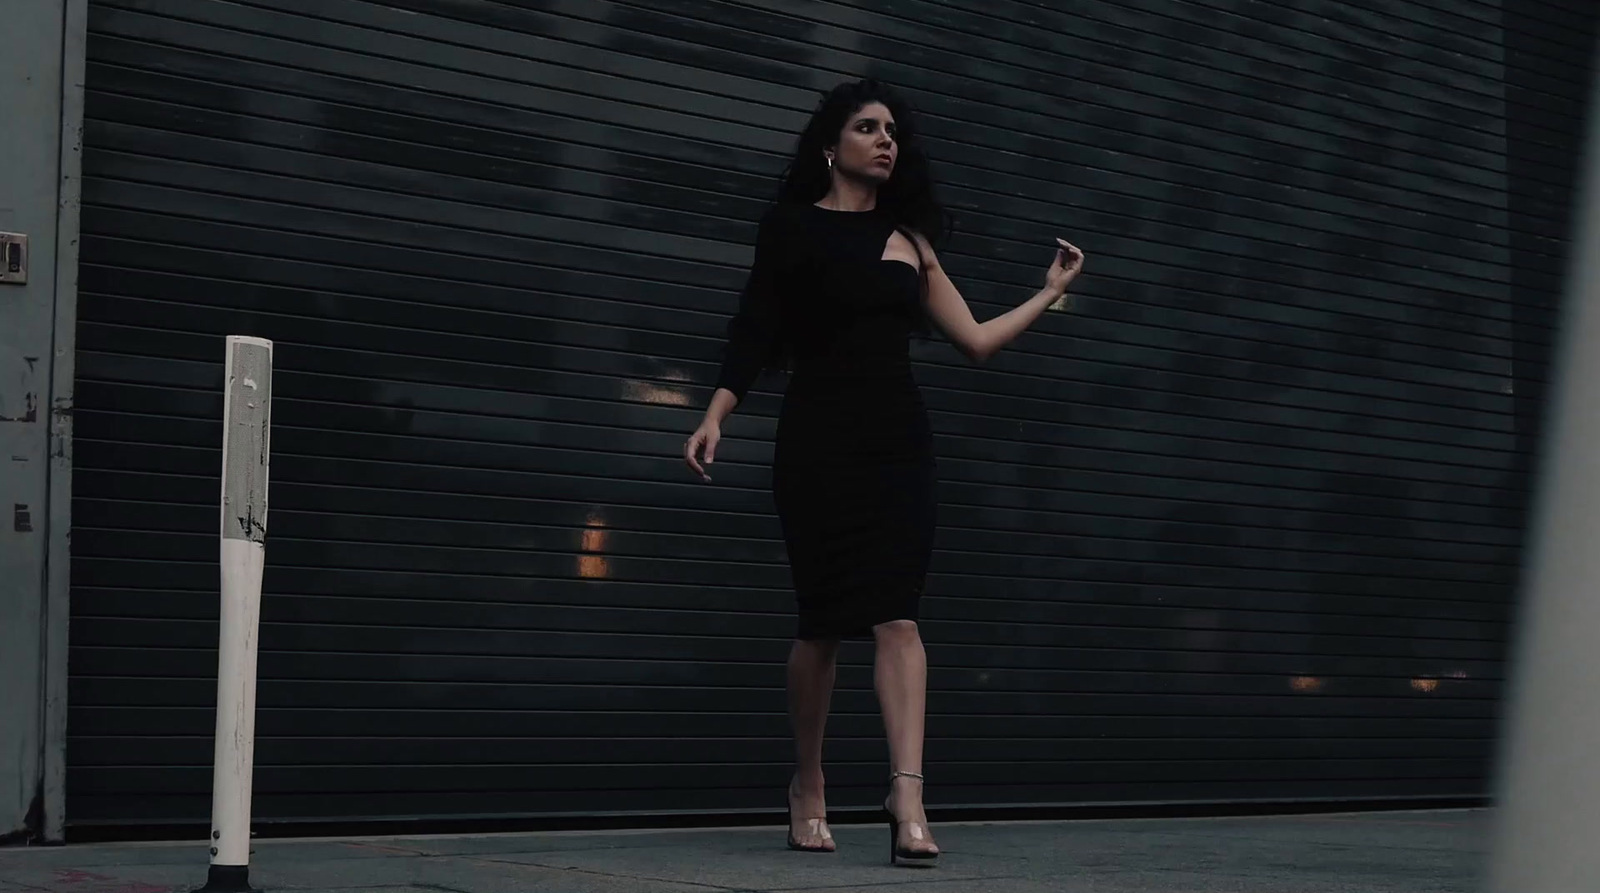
844,273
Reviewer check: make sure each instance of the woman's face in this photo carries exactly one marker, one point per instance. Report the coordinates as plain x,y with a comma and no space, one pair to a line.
867,148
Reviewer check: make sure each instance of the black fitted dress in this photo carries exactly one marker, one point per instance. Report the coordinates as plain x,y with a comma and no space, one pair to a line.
853,467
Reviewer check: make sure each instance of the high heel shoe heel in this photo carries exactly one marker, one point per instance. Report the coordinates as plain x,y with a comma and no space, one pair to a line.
919,830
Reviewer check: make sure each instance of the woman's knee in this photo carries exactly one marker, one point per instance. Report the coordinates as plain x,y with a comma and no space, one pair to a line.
819,649
896,631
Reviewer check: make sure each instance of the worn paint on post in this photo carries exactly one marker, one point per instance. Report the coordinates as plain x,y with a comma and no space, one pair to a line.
246,443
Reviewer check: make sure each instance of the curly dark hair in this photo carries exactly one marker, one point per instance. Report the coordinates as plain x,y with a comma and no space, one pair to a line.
909,194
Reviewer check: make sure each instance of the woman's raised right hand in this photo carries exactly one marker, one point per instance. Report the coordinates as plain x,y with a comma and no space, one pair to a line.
704,438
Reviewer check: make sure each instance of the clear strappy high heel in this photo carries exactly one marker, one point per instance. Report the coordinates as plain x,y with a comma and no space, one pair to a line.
818,828
919,830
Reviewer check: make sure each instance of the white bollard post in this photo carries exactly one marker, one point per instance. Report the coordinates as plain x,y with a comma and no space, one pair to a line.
246,429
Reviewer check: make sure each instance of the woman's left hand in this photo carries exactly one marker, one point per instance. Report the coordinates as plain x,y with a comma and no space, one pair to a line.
1068,262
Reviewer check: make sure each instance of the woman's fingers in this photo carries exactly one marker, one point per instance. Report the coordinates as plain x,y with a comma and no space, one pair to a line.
1072,254
704,437
711,449
691,448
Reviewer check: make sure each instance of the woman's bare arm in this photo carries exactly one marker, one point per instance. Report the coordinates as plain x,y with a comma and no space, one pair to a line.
980,340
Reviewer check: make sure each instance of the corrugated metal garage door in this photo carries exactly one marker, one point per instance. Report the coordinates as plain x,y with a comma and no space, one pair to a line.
1243,526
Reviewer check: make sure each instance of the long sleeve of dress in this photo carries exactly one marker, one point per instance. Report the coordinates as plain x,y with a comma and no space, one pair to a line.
753,332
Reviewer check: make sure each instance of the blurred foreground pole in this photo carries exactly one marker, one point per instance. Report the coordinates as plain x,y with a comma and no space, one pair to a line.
1547,824
246,436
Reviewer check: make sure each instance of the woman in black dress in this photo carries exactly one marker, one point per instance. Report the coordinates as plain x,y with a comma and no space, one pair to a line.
844,274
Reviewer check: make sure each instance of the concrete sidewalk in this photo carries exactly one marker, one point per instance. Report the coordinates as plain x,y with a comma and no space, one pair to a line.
1414,852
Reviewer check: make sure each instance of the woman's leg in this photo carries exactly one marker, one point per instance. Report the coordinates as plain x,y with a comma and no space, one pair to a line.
812,667
901,677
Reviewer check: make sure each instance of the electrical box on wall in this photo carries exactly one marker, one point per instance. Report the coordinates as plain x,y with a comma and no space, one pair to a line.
13,258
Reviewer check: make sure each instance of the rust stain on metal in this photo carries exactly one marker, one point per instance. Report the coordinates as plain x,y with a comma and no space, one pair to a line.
30,404
61,429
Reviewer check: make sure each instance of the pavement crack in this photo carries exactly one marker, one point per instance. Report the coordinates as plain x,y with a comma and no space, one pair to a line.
890,884
608,874
384,848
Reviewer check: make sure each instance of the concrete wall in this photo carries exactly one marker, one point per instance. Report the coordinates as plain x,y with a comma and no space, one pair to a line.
43,52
